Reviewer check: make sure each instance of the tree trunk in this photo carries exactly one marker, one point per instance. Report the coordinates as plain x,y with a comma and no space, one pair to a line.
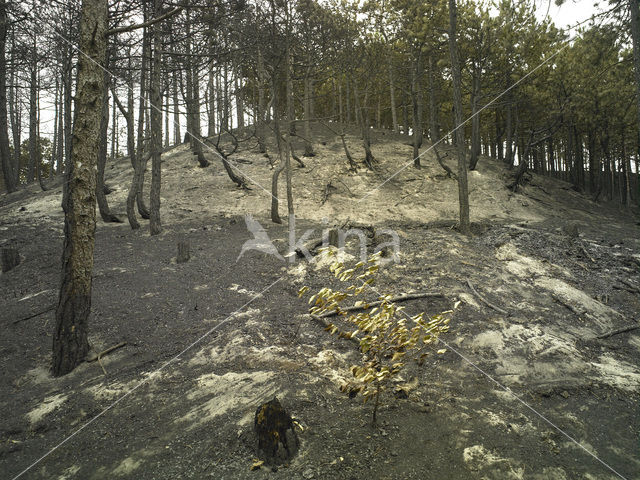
285,147
193,104
261,104
33,115
463,188
68,99
634,11
347,116
508,158
416,98
308,146
239,101
392,95
103,205
291,118
141,157
60,148
275,201
579,160
363,119
155,98
54,148
8,173
114,132
434,127
626,168
177,138
475,121
70,344
15,114
211,103
131,147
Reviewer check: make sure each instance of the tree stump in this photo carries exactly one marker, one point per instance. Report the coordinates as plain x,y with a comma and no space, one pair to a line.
571,230
183,252
277,441
10,258
334,237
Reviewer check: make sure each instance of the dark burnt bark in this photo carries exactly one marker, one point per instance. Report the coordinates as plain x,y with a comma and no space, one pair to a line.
463,188
8,172
103,204
155,98
70,344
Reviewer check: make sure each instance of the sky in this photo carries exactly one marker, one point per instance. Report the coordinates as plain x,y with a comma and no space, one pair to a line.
568,14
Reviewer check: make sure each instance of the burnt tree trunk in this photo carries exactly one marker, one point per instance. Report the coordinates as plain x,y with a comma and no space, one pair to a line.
70,344
155,98
463,187
416,99
103,204
10,258
5,154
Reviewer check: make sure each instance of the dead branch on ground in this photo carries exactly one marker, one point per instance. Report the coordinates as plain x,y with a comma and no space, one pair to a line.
486,302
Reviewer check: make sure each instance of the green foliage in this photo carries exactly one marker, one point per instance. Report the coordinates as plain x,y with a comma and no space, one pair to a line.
388,336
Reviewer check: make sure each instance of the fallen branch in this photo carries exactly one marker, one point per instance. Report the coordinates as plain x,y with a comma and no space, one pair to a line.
48,309
584,250
569,306
99,356
328,325
366,306
619,330
487,303
632,287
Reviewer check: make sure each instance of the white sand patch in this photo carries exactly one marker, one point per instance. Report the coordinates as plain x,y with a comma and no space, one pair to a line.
247,313
603,316
48,405
514,345
221,354
299,272
112,389
37,376
232,392
127,466
325,258
600,317
468,299
618,373
479,458
237,288
634,341
332,365
69,472
587,446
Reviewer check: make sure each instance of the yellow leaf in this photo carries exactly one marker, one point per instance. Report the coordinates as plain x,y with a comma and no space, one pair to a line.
441,351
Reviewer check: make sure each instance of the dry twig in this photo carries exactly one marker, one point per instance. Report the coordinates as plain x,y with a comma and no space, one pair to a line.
487,303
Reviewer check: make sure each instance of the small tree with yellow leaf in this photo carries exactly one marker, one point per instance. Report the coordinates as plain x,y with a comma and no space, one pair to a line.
387,335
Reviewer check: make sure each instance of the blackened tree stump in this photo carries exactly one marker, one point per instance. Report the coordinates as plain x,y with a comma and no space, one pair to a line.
10,259
183,252
277,441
